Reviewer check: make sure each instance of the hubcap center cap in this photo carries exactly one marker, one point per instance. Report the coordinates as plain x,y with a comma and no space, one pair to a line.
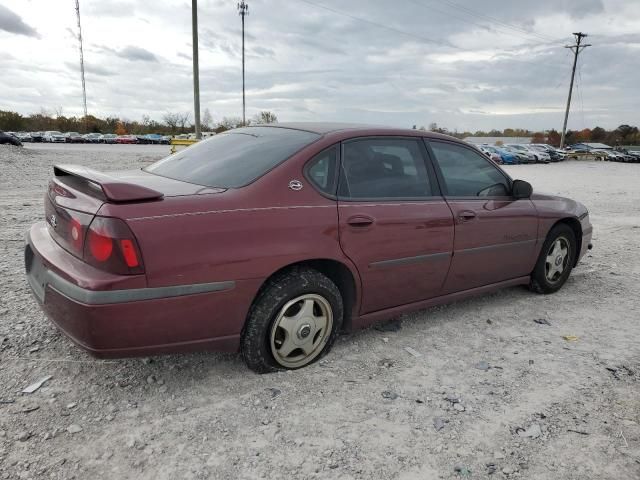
304,331
558,260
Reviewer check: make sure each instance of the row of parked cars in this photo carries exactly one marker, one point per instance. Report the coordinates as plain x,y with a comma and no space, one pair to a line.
53,136
628,156
516,153
599,152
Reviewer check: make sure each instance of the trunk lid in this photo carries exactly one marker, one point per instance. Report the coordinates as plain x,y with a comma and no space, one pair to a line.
167,186
76,193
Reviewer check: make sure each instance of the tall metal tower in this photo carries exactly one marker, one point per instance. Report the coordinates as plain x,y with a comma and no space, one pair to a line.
84,88
243,10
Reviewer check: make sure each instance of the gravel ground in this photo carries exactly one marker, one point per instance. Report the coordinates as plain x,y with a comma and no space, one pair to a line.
498,392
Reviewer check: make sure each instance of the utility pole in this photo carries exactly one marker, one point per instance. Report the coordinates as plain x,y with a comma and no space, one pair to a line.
243,10
196,67
84,89
576,49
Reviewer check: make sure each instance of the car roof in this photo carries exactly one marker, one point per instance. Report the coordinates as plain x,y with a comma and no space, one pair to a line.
356,129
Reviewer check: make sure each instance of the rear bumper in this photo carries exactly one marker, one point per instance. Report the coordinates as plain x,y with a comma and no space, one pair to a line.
137,320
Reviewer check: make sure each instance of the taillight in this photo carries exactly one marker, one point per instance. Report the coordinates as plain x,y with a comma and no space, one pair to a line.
76,234
111,246
67,227
129,252
100,246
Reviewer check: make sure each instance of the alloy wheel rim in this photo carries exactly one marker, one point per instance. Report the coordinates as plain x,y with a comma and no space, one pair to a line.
557,259
301,330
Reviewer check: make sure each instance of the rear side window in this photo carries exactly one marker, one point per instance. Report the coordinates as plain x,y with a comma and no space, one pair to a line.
321,170
384,168
467,173
235,158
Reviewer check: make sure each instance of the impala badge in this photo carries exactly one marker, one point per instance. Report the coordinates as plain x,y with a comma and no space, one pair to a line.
295,185
53,221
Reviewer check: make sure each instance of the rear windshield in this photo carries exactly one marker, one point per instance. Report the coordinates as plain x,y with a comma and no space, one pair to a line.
235,158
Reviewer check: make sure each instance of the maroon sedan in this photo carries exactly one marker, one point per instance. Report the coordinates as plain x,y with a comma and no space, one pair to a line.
270,240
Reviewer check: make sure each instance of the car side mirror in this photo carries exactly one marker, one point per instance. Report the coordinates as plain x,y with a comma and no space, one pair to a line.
521,189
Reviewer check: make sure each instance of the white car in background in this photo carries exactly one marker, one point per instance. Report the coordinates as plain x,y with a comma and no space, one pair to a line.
556,154
53,136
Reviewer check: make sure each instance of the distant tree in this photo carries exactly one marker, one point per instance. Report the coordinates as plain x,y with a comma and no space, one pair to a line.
553,138
538,137
91,124
183,119
120,130
584,135
433,127
625,133
11,121
111,123
227,123
171,119
265,117
66,124
55,120
570,137
207,120
598,134
40,121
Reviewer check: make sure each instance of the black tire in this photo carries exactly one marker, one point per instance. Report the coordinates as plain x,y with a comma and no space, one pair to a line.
255,343
540,283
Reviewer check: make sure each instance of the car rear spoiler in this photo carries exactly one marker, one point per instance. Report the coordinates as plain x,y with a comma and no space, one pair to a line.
114,190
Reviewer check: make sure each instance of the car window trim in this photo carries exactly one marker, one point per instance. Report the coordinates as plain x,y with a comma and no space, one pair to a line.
443,184
433,183
336,172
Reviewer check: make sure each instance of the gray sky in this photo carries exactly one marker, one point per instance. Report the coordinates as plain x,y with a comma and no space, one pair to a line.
464,64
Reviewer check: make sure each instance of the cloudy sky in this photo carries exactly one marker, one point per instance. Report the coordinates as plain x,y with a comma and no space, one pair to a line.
464,64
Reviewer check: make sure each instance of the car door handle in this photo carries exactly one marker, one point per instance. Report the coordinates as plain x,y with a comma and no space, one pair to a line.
360,221
466,215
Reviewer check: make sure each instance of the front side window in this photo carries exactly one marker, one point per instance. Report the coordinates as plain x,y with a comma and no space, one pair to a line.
383,168
234,158
468,174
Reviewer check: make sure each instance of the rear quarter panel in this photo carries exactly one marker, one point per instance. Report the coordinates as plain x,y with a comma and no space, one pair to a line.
245,233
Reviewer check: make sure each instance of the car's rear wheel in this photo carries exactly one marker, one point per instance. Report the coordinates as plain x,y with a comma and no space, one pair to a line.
556,260
293,322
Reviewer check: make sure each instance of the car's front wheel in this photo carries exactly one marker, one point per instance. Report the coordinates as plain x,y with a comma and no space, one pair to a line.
556,260
293,322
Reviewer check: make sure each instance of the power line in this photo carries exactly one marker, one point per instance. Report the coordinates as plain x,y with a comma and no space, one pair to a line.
576,49
483,26
412,35
581,94
561,80
380,25
498,21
